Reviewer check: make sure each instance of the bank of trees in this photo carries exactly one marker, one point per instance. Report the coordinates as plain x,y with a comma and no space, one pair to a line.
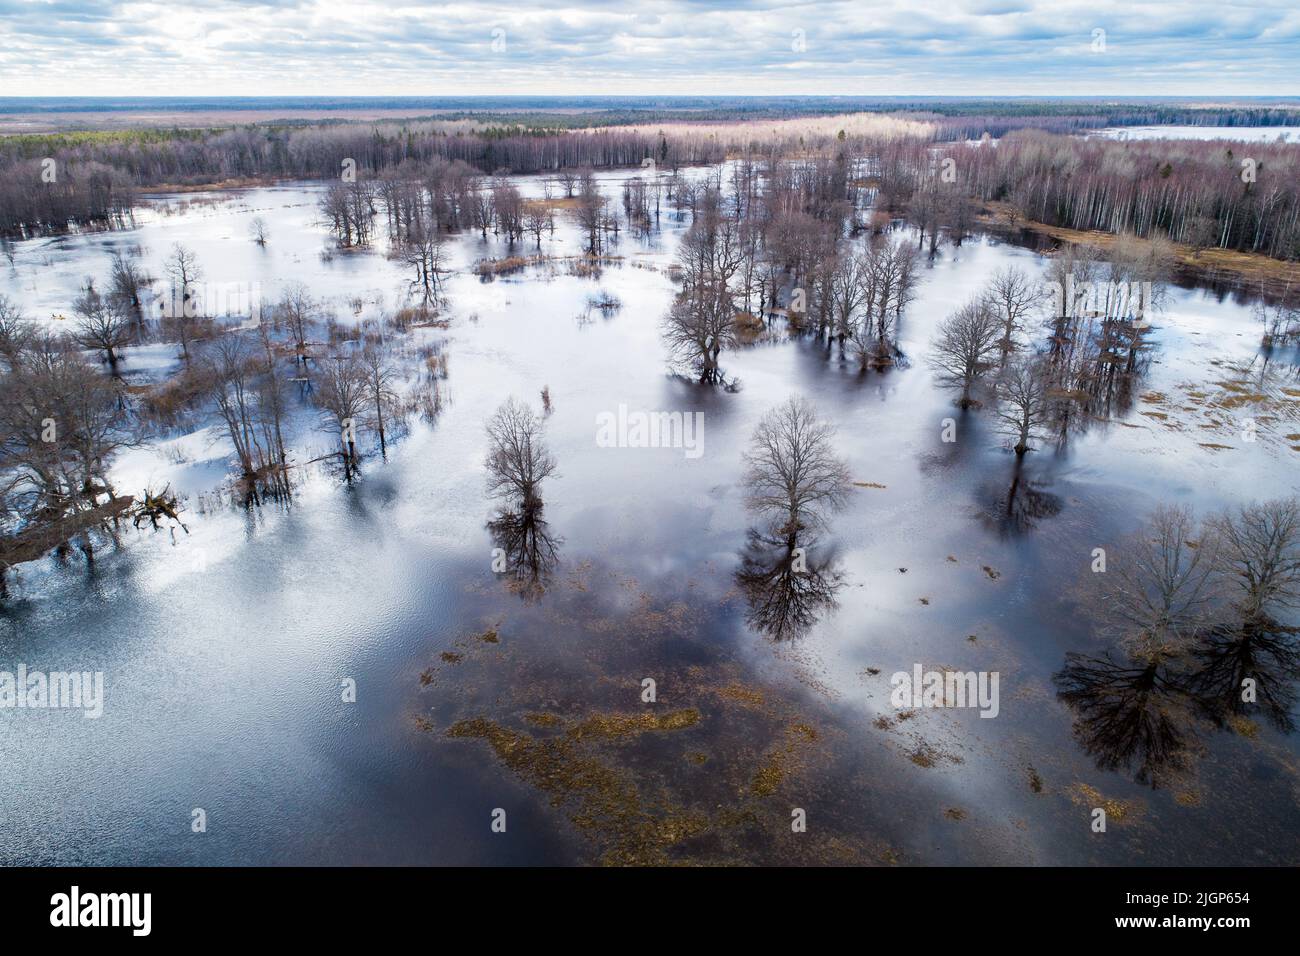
1208,194
702,320
55,193
61,423
1205,193
784,238
1053,354
97,178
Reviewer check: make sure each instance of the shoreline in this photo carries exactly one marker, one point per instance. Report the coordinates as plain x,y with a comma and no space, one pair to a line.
1208,265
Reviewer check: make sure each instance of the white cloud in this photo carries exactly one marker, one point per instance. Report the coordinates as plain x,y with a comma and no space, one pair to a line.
980,47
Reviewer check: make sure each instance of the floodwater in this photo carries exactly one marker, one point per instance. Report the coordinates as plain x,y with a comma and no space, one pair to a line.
224,650
1243,134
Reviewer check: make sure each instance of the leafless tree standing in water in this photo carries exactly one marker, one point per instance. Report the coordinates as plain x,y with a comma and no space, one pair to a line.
791,469
184,271
424,249
342,393
891,279
102,324
967,348
518,460
1260,555
702,320
1022,404
126,281
1158,590
379,373
296,309
1013,296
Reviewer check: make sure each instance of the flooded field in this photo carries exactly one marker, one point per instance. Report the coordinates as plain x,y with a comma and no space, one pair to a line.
1242,134
224,649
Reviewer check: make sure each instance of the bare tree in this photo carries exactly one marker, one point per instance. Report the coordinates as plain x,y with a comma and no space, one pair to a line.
1071,274
258,230
342,392
350,209
702,320
229,369
296,309
271,400
61,422
14,329
126,280
380,374
1013,295
591,211
1022,404
891,284
926,210
508,209
183,269
480,207
850,292
518,459
791,469
966,348
538,218
1157,592
1260,554
102,324
425,250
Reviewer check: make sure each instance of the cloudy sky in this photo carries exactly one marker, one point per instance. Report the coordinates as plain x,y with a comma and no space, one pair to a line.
866,47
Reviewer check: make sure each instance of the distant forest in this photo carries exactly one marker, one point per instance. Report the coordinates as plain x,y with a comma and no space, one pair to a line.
1210,194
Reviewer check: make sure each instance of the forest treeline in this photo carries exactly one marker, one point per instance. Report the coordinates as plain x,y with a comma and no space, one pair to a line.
1208,194
1205,193
972,119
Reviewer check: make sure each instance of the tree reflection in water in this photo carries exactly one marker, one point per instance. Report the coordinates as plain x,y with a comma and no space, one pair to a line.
529,551
1149,715
1019,507
787,588
1268,656
1131,714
